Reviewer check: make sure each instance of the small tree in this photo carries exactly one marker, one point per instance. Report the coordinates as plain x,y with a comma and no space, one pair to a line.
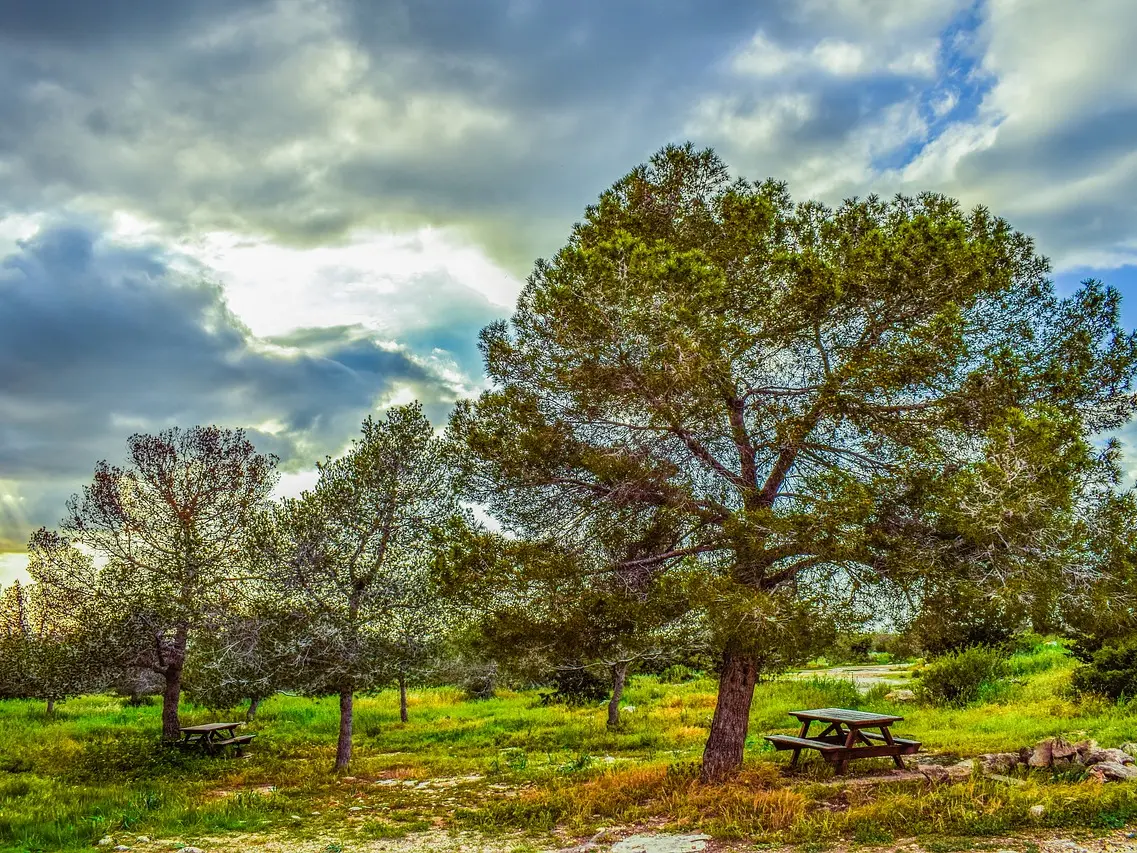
346,556
236,659
578,615
44,651
152,548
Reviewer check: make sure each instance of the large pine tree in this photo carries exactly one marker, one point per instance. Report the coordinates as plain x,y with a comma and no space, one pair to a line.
821,399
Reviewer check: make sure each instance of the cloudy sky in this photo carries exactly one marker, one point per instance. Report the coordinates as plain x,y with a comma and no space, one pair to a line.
285,214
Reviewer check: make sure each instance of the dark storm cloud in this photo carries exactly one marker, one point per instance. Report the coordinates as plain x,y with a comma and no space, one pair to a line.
303,119
79,22
98,341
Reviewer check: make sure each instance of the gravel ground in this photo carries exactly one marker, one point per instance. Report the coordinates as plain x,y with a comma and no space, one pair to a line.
628,842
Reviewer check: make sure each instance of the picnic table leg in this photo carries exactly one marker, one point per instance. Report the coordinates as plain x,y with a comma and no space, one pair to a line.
797,749
888,739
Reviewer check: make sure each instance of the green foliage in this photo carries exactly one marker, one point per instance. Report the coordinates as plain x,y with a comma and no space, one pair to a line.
889,386
959,678
678,674
577,686
962,616
1111,672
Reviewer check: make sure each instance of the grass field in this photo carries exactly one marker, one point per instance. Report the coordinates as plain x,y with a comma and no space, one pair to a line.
510,764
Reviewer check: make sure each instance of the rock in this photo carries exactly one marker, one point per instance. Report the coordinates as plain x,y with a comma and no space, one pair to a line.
661,844
999,762
940,773
1059,750
1129,749
1037,810
120,848
192,850
1084,746
901,695
142,839
1040,756
627,709
1111,771
1102,756
105,841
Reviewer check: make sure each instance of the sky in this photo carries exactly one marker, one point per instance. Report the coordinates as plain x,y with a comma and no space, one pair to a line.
284,215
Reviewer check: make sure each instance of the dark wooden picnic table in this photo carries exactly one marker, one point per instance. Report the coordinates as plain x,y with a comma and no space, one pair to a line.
211,738
846,738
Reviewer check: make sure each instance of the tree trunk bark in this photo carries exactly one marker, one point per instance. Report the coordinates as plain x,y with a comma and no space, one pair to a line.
402,697
171,696
172,690
727,740
343,746
254,706
51,707
619,676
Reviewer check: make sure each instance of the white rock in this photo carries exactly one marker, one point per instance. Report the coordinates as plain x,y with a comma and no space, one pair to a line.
119,848
192,850
1037,810
105,841
901,695
661,844
628,709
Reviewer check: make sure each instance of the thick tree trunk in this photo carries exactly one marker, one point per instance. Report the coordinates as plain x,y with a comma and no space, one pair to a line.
51,707
402,697
254,706
619,676
723,753
343,747
171,696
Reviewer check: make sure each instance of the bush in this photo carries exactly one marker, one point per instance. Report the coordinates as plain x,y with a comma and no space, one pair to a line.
1112,671
957,619
962,677
678,674
577,687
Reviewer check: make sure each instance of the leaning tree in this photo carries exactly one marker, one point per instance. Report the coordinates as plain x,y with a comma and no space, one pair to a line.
152,548
824,399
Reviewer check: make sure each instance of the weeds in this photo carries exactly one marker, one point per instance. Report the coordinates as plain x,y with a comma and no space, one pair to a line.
508,763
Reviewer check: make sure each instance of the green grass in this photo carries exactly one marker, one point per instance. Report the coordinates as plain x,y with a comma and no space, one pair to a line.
509,763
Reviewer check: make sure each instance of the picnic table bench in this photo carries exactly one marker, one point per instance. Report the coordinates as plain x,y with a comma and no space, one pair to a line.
845,737
212,738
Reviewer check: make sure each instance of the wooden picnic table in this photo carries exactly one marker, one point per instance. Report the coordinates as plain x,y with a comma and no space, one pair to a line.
846,738
211,738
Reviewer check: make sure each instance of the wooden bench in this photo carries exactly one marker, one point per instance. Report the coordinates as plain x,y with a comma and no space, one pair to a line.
907,747
238,743
791,742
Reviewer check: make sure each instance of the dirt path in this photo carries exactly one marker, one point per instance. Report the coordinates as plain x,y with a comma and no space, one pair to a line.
1119,841
863,677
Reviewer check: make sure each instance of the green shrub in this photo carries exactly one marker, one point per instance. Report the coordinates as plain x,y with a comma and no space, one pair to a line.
1112,671
959,678
678,674
577,686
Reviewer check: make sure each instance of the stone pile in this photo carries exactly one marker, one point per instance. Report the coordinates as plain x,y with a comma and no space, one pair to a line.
1104,765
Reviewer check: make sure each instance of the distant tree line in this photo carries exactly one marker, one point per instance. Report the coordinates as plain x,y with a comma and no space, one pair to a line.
722,427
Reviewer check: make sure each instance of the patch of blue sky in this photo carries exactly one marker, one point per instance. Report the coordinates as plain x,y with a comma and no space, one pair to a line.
1123,279
957,91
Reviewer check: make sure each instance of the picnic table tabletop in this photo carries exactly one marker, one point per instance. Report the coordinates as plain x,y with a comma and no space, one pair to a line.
206,728
844,715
